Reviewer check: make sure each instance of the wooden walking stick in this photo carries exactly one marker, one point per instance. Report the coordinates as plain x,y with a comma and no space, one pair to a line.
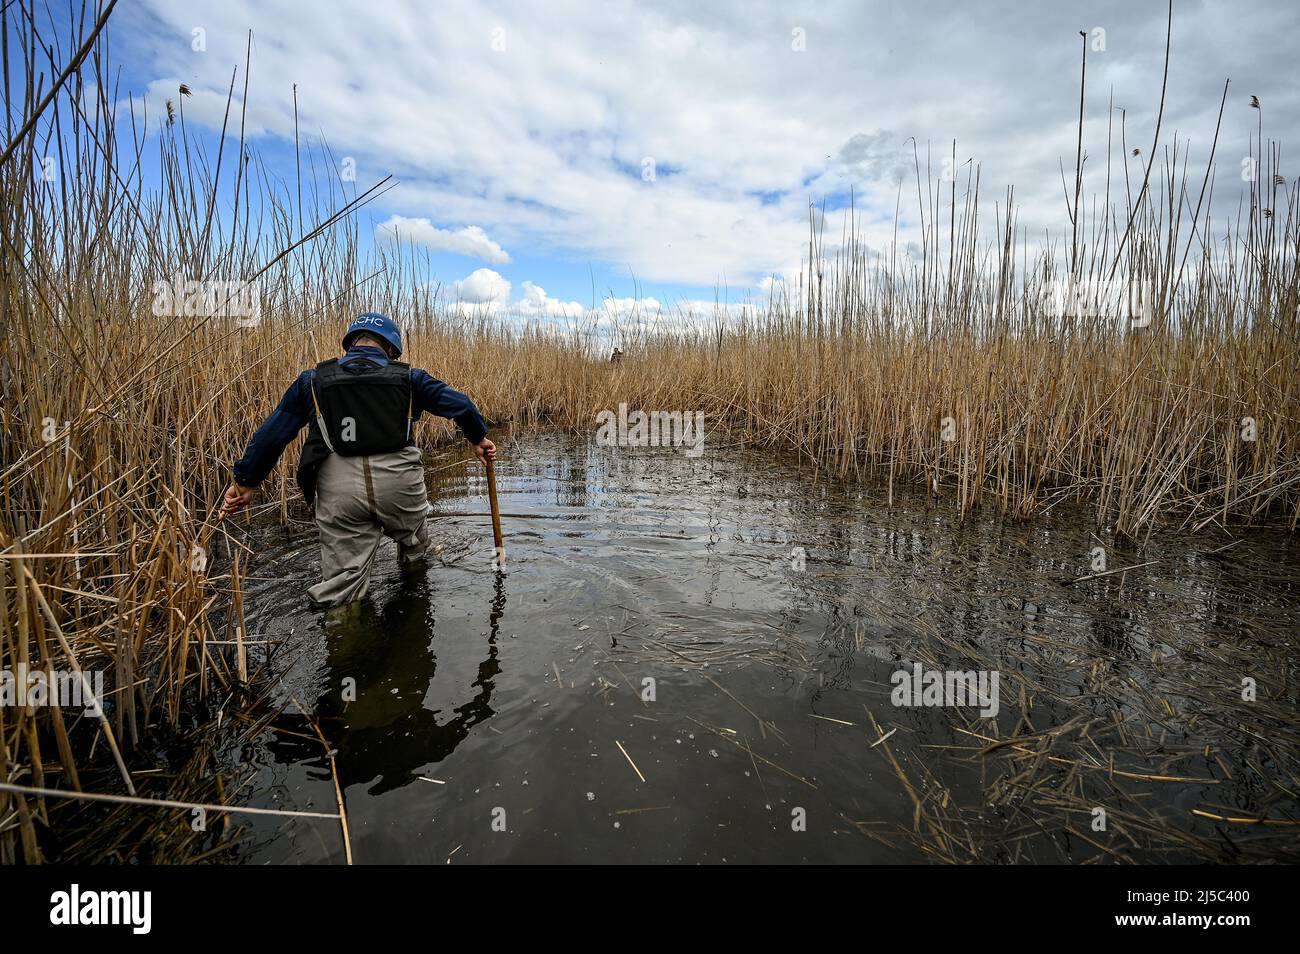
496,512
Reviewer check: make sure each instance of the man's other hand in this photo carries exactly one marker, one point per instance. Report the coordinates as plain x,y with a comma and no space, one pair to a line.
485,450
237,497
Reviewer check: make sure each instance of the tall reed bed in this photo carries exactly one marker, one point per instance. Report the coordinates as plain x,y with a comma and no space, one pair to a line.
942,368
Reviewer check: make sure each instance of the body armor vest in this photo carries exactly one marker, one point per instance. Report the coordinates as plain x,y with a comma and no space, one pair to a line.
363,408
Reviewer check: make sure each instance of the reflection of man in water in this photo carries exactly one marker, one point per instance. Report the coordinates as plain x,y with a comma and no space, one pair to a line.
387,733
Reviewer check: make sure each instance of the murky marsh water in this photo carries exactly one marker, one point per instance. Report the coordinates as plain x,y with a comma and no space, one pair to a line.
657,676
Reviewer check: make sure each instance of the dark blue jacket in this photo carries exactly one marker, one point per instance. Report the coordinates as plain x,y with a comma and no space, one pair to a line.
296,409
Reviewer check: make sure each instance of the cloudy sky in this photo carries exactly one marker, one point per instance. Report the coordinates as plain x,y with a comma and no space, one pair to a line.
556,153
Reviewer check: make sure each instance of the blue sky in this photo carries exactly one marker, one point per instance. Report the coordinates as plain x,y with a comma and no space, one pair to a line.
552,154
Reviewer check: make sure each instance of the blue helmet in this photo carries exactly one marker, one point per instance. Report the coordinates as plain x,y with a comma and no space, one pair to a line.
375,324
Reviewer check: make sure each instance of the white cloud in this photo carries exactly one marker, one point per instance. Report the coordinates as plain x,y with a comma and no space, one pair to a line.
776,288
631,307
482,287
470,241
206,106
535,303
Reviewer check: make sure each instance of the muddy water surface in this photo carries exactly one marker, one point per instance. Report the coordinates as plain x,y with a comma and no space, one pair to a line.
691,660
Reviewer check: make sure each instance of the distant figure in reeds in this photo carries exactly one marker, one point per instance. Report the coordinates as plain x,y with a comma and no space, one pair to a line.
616,357
359,465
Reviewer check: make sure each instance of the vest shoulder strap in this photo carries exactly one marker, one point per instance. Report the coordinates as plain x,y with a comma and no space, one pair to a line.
311,386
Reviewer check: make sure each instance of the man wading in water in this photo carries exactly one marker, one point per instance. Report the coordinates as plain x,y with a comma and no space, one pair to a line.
359,463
